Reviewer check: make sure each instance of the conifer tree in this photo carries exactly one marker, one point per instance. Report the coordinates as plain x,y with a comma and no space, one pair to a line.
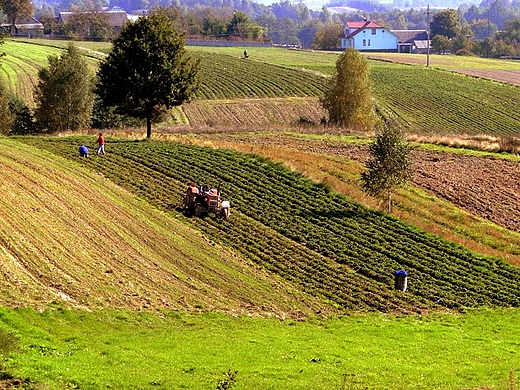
64,94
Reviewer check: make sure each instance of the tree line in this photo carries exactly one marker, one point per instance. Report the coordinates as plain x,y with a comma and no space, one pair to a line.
293,23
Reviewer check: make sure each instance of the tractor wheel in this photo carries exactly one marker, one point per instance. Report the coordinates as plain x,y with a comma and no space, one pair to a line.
198,210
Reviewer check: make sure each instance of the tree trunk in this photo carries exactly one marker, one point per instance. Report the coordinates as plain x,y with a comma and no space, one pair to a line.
389,201
148,127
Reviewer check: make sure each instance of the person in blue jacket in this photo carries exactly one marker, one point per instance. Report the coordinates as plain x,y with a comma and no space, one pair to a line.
83,151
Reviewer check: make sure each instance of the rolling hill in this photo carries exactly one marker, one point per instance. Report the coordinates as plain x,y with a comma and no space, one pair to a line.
334,249
72,236
231,86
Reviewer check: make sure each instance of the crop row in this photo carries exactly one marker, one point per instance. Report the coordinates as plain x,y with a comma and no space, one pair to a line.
229,77
444,102
306,233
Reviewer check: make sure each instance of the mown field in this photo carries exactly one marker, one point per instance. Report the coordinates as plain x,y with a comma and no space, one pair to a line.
119,349
416,94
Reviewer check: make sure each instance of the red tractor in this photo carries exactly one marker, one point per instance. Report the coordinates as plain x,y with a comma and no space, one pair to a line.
204,200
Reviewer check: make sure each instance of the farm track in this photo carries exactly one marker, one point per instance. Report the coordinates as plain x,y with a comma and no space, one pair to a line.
328,245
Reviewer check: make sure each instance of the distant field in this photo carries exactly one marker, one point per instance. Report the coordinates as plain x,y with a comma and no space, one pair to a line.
427,100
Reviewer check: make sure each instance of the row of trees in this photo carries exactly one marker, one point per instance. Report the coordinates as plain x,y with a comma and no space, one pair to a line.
147,72
450,34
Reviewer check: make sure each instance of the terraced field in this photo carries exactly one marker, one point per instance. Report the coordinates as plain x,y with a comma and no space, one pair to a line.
416,94
306,233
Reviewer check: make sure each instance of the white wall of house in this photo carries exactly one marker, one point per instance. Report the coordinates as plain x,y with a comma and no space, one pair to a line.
375,39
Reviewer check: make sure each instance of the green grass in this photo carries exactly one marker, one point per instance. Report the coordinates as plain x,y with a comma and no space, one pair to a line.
141,350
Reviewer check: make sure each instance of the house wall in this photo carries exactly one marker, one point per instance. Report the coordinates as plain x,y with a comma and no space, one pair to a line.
382,40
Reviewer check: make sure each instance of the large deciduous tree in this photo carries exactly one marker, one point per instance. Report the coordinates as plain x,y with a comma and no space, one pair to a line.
14,9
389,165
445,23
348,98
148,70
64,94
328,37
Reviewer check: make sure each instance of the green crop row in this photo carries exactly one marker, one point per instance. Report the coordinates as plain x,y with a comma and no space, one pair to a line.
438,101
230,77
306,233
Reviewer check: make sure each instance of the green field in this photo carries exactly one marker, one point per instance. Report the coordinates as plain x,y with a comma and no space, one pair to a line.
300,230
415,94
107,284
308,245
129,350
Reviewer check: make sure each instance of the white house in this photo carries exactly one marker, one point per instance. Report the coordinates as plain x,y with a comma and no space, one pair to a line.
369,36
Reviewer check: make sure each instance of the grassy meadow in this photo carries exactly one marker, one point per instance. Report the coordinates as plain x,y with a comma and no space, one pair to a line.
121,349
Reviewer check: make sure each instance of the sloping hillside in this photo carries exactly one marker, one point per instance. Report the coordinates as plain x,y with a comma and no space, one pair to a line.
69,235
304,232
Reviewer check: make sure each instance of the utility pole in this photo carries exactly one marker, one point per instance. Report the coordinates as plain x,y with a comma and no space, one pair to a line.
428,36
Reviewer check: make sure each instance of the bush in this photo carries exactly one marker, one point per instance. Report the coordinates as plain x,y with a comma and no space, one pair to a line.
23,120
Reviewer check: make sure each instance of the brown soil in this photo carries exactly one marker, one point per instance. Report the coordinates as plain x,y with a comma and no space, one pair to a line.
484,186
505,76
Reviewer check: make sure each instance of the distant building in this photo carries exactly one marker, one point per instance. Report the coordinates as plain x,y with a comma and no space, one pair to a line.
412,41
116,16
27,26
369,36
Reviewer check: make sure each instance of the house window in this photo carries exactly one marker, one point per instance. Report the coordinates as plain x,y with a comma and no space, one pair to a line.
373,31
364,42
369,42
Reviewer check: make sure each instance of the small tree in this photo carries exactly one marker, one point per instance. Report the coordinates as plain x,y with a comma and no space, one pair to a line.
441,43
349,97
148,70
64,94
389,165
23,120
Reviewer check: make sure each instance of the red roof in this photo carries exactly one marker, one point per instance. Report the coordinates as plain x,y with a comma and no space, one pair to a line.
368,24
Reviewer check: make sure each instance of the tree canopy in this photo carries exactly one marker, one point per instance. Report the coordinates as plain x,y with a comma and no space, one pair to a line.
389,165
445,23
148,70
64,94
349,96
14,9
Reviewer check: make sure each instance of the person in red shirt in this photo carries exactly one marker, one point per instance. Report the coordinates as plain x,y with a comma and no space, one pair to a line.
101,144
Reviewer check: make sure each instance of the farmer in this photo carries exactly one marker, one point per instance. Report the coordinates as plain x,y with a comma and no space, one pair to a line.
83,151
245,54
101,144
191,195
